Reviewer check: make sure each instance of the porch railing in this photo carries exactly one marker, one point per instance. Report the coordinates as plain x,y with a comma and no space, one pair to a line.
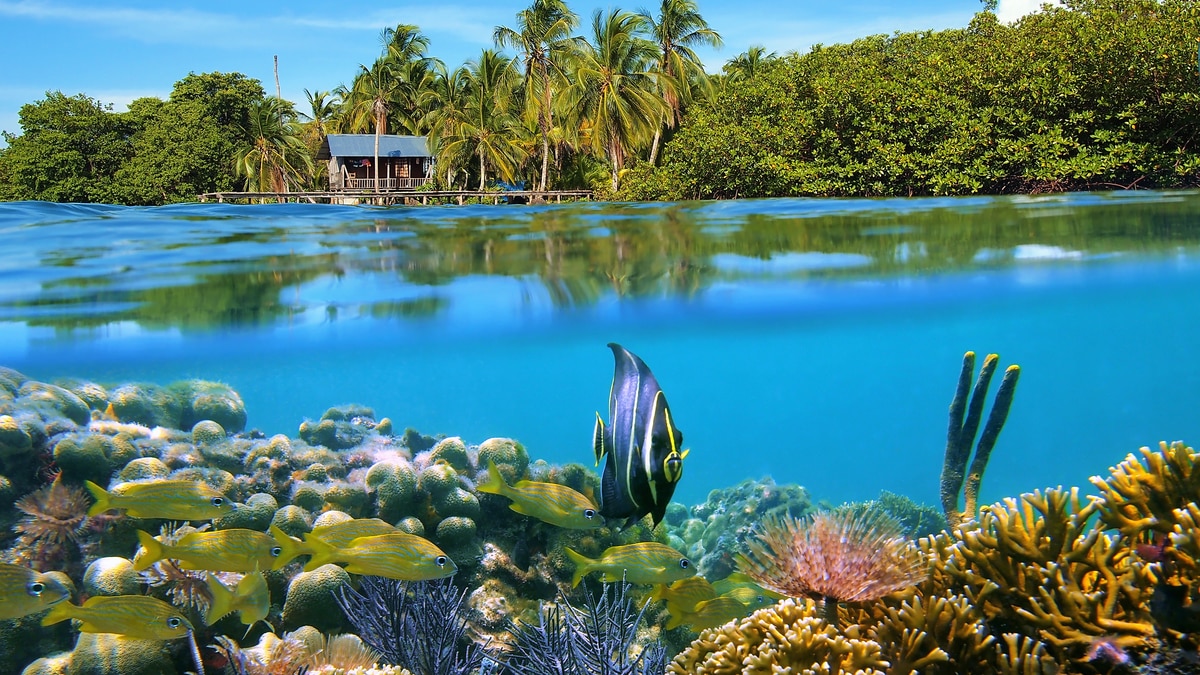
385,183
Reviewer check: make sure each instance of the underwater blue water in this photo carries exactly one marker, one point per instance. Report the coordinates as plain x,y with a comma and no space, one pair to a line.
814,341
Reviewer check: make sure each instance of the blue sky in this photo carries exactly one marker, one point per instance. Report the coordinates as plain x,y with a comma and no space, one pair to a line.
120,50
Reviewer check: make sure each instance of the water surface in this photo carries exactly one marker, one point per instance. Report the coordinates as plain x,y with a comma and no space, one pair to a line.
815,341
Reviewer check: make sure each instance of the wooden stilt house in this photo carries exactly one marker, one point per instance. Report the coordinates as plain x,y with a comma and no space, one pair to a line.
404,161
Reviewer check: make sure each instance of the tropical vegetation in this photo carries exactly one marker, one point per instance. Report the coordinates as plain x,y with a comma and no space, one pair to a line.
1094,94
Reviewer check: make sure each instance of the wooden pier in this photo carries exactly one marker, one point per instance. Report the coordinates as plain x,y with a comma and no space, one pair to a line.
410,197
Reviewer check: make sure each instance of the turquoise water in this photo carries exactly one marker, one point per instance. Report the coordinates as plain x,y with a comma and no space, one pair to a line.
815,341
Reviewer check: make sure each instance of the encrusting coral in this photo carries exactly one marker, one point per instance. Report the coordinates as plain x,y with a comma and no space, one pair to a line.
834,556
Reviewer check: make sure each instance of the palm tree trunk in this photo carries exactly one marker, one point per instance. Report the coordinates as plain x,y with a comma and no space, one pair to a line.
654,145
375,166
482,173
547,121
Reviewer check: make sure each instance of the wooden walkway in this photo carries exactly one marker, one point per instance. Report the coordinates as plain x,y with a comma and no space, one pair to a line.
390,197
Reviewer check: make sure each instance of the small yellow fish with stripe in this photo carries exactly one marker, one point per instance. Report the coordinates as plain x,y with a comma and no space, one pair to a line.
233,550
24,591
709,614
683,595
250,599
337,535
135,616
551,503
648,562
753,599
742,580
168,499
399,555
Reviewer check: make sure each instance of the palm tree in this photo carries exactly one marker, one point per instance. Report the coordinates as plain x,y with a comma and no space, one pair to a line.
747,64
446,99
323,105
273,155
405,47
544,45
369,101
616,89
488,129
677,29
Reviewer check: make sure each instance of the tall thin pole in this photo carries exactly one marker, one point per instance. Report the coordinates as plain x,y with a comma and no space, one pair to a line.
278,95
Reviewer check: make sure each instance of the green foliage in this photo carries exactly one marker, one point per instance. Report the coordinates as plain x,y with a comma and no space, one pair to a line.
70,150
178,151
1097,94
75,149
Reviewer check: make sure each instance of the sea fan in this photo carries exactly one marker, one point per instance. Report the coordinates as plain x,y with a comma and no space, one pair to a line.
596,639
418,625
836,556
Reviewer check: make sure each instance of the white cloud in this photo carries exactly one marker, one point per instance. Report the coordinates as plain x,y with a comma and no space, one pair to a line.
1008,11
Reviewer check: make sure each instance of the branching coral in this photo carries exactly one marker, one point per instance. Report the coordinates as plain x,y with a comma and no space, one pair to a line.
1036,567
418,625
595,639
1138,497
836,556
786,637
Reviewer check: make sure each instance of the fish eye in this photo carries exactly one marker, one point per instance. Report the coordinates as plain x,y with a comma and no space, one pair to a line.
174,622
440,561
218,501
589,513
276,551
684,563
35,588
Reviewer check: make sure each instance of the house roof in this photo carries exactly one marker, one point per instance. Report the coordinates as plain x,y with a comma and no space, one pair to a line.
363,145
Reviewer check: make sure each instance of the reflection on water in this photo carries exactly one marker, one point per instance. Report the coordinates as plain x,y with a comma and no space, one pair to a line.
196,267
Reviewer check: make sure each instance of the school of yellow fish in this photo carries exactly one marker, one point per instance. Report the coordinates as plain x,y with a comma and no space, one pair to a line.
367,546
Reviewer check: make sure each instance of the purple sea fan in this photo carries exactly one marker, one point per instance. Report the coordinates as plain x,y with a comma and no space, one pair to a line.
834,556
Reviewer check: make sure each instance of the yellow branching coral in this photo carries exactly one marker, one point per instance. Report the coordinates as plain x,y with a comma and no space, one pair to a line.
1023,655
1036,564
1138,497
928,634
837,556
784,638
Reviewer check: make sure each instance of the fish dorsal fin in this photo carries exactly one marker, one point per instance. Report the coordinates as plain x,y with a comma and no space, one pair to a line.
598,440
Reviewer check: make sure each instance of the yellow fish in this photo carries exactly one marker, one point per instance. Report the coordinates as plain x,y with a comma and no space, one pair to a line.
648,562
708,614
399,555
135,616
742,580
753,599
250,599
24,591
685,594
233,550
548,502
168,499
337,535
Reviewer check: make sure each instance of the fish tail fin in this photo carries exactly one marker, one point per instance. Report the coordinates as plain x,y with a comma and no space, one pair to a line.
103,501
678,618
598,439
289,548
494,484
322,553
59,612
583,565
154,552
660,593
222,600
